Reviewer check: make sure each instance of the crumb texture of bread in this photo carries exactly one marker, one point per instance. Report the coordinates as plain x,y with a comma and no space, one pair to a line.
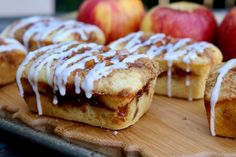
88,83
220,99
36,31
184,63
12,54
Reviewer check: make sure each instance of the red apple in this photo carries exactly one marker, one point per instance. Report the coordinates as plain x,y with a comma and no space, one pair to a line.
116,18
181,20
226,36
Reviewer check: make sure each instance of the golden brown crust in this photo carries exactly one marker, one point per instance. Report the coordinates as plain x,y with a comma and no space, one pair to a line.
198,75
12,54
119,81
199,67
212,55
122,84
225,108
118,117
9,63
225,117
228,85
179,88
125,82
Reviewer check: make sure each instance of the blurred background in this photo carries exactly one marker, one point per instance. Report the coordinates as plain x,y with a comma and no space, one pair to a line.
65,5
12,8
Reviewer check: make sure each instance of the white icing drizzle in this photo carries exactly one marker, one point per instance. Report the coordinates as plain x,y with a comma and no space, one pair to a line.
153,51
64,70
188,81
61,29
22,23
9,48
57,56
172,55
134,41
193,50
77,83
63,59
66,33
10,45
73,27
216,90
113,45
40,28
29,57
100,70
53,26
34,72
169,79
173,52
151,41
62,77
55,100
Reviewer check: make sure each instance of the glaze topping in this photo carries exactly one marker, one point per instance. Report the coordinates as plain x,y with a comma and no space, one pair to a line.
85,62
165,47
54,30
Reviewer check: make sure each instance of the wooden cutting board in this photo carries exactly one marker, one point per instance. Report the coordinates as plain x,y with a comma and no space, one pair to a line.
171,127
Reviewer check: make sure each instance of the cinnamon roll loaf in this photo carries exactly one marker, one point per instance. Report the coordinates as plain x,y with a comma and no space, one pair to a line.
220,99
88,83
184,63
35,32
12,54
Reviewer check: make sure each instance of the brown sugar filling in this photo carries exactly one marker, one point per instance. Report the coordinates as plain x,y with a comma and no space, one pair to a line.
81,101
176,73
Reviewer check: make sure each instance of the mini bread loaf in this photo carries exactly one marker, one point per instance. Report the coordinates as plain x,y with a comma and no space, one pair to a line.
184,64
35,32
220,99
88,83
12,54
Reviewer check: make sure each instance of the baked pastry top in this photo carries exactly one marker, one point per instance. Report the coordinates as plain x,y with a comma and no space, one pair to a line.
89,69
227,79
11,55
170,49
35,32
221,89
176,57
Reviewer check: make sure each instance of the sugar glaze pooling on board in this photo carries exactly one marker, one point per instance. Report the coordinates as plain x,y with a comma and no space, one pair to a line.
216,91
172,51
68,60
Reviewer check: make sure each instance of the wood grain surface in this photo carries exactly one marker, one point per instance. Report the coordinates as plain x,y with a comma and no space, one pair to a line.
171,127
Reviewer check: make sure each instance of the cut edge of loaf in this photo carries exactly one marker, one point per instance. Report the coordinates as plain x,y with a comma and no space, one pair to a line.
97,116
